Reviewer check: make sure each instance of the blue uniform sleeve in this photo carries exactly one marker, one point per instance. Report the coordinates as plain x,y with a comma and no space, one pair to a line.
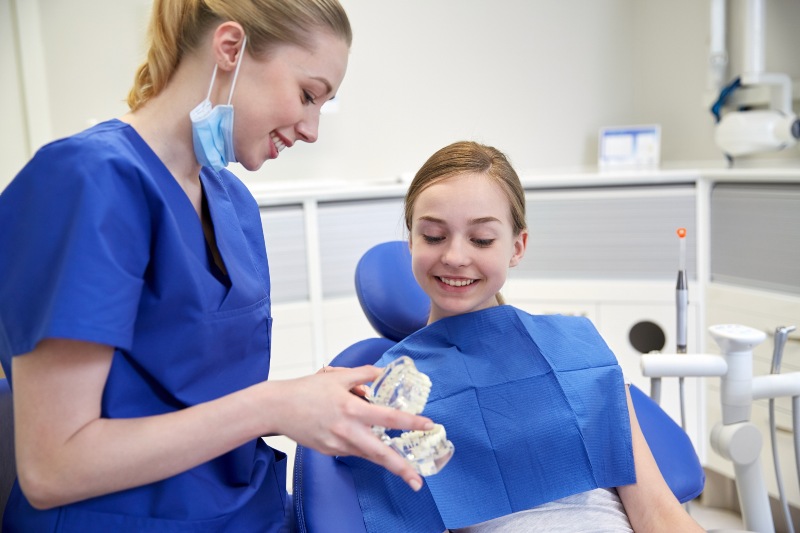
74,235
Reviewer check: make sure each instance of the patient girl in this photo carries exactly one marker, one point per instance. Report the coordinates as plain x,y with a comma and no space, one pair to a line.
545,434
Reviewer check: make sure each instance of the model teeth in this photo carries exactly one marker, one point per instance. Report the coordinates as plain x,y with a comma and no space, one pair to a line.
401,386
427,451
278,143
457,282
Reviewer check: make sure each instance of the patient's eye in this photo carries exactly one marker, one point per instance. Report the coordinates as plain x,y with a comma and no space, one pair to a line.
483,243
430,239
308,98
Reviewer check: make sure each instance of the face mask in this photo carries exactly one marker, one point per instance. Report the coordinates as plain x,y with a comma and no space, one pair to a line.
212,126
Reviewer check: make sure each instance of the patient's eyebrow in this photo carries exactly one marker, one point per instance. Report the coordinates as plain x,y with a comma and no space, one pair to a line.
483,220
471,222
428,218
327,84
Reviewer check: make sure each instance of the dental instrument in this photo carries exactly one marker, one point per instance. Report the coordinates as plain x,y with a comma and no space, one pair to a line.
781,336
682,310
682,294
682,322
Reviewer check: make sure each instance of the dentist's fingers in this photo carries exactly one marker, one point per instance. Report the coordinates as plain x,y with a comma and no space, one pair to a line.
358,390
319,412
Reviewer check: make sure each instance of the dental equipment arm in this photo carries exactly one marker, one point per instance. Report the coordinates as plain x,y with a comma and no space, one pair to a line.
736,438
657,366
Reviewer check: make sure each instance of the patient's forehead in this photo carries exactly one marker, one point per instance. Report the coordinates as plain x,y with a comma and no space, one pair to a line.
471,197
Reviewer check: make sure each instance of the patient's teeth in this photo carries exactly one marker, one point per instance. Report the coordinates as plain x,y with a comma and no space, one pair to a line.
278,143
457,282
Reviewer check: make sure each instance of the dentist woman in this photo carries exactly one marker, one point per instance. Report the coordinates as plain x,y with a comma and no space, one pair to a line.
134,302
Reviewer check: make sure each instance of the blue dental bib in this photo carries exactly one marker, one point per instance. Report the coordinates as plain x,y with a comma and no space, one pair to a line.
536,409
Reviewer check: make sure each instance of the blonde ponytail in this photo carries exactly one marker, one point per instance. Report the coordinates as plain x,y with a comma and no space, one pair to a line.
175,27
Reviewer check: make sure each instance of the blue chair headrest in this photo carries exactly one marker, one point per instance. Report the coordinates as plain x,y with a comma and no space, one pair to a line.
391,298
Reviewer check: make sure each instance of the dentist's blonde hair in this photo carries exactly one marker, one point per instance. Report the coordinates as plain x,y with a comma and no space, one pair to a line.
177,27
469,157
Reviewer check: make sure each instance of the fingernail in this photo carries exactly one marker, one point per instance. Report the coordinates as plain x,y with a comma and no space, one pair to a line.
428,425
415,485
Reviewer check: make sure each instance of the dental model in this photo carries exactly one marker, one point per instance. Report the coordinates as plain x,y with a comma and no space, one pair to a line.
401,386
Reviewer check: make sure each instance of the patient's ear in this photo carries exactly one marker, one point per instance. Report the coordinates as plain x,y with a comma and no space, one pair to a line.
520,243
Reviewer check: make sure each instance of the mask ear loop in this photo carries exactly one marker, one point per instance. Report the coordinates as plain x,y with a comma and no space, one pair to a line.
211,85
235,75
236,72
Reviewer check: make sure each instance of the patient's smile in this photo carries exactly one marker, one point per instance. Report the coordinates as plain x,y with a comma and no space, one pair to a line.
462,243
279,144
456,282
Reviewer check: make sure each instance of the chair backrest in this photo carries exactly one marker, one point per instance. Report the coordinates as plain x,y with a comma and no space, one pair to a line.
395,305
8,470
323,489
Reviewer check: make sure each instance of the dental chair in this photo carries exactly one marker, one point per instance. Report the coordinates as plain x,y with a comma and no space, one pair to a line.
324,492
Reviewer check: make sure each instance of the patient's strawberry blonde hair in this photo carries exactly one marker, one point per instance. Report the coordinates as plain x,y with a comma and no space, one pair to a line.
469,157
178,26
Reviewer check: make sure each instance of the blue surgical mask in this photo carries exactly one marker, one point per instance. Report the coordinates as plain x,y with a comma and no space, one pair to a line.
212,126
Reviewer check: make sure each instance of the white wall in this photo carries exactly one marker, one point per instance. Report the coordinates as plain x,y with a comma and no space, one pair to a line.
93,48
536,78
671,42
65,64
14,138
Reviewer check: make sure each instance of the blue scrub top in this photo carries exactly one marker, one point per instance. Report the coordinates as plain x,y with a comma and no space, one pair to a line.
100,243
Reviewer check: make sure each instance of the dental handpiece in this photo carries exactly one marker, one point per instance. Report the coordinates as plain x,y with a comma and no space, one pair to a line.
682,296
781,336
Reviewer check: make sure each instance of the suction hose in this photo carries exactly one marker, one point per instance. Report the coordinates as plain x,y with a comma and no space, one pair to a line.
781,335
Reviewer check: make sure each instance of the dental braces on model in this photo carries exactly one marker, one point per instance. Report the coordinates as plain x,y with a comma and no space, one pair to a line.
401,386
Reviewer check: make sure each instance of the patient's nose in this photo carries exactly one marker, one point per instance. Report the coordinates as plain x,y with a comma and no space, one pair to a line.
455,254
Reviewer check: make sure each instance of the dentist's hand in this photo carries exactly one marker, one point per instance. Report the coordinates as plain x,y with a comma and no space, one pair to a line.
358,390
321,412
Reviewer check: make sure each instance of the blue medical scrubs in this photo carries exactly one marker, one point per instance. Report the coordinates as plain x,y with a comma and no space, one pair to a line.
98,242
